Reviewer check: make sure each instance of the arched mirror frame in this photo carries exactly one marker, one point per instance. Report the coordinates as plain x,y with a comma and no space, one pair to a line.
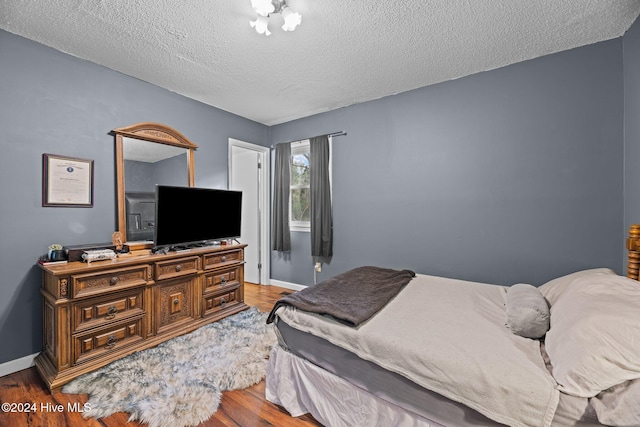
152,132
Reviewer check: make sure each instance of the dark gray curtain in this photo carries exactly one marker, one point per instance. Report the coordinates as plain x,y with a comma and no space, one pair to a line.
281,235
321,216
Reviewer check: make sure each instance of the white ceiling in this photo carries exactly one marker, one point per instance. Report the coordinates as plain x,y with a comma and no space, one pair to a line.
149,152
343,53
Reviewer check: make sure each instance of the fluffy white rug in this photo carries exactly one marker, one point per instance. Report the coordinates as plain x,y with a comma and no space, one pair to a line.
179,382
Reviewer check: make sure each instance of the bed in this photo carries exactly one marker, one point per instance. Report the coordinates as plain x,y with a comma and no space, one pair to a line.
437,351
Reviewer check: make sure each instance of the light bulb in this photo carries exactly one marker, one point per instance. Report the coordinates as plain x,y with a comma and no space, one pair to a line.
291,19
261,24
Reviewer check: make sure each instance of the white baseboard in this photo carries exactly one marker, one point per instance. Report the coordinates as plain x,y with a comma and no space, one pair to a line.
288,285
16,365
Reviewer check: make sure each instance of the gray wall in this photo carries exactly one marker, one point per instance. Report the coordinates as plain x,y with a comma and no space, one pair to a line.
505,176
512,175
51,102
631,45
144,176
139,176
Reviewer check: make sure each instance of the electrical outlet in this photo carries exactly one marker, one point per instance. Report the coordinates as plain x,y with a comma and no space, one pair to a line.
318,267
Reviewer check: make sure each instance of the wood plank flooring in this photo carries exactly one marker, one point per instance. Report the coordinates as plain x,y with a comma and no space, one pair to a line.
239,408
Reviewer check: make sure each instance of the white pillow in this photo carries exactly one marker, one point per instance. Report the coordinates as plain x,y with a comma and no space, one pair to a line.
527,311
554,288
594,339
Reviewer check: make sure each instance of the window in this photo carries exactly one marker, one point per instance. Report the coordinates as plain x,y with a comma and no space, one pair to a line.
299,195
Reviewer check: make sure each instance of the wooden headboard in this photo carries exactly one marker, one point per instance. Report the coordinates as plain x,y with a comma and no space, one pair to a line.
633,246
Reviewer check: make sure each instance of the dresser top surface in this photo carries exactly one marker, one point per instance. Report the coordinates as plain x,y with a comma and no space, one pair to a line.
131,260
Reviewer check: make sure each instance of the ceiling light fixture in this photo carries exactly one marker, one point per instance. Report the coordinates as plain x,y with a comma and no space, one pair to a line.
264,8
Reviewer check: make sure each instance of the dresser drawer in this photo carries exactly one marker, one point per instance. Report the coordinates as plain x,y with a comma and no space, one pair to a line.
221,279
102,341
215,302
174,303
110,280
223,259
100,311
176,267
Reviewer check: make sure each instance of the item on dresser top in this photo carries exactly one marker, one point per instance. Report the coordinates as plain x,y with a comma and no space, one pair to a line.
45,260
74,253
172,203
140,252
139,245
56,253
99,255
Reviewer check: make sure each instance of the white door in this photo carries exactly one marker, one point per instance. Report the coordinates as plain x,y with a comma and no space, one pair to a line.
248,172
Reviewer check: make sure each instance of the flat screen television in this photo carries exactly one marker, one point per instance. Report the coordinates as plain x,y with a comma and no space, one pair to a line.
188,216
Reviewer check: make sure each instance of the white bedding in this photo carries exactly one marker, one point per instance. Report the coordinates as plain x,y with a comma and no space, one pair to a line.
301,387
450,336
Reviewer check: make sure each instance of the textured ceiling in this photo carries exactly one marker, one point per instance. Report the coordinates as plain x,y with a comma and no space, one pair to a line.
343,53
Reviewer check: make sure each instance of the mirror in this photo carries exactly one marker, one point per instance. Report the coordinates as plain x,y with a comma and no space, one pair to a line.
148,154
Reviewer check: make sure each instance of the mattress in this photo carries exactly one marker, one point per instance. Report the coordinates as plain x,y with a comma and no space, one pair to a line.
422,406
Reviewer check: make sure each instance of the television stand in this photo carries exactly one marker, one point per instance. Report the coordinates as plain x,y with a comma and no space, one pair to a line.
94,314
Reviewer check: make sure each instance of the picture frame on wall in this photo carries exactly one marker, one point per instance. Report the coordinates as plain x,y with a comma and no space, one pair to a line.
67,181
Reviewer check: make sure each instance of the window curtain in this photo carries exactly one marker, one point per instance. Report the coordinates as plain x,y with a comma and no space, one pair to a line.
320,191
281,235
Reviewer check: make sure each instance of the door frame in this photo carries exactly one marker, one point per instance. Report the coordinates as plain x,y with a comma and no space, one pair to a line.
263,188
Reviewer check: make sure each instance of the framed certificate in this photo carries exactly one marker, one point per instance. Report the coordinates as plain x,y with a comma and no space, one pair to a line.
67,181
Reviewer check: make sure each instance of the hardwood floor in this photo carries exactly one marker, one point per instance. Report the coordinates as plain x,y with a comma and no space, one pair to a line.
243,408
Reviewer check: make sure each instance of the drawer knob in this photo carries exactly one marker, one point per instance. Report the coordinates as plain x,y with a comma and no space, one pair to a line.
176,301
179,267
223,302
111,313
223,280
111,341
223,259
113,280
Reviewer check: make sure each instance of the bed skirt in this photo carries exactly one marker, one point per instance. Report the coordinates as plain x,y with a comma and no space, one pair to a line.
299,387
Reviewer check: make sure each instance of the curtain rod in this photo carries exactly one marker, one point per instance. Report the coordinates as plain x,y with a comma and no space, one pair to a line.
340,133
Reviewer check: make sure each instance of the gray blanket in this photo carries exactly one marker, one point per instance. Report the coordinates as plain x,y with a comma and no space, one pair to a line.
351,297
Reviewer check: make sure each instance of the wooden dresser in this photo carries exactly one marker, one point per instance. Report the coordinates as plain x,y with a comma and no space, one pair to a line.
100,312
